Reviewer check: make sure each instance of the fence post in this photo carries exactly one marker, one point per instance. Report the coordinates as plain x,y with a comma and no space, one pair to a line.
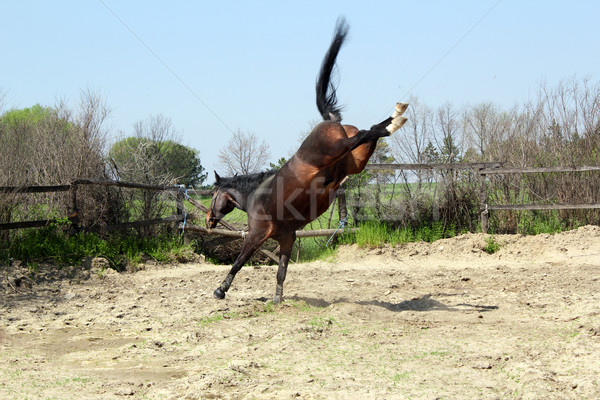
342,208
483,209
74,215
181,207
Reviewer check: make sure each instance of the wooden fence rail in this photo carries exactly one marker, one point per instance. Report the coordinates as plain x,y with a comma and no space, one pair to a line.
181,215
434,166
242,234
485,208
495,168
483,169
73,216
536,170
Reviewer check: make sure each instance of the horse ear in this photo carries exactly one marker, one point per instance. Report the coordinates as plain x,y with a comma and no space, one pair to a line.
217,177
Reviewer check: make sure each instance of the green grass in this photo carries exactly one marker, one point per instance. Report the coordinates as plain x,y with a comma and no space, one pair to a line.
312,249
491,245
533,222
53,243
374,233
127,249
401,376
321,322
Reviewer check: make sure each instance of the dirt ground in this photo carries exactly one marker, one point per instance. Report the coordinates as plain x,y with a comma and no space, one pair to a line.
422,321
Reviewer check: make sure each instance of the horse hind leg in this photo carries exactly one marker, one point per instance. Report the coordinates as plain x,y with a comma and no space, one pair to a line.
285,251
393,123
384,128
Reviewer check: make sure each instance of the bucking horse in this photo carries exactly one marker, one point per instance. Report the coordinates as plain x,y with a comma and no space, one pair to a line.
280,202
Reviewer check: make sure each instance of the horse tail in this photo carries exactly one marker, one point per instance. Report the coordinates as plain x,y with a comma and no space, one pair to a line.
326,90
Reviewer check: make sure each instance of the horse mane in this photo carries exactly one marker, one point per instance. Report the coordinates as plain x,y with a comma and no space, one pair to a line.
245,183
326,90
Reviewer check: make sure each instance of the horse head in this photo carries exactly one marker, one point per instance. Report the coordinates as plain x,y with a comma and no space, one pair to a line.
223,202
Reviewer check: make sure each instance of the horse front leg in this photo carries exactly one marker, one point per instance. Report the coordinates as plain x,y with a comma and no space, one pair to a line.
250,245
285,251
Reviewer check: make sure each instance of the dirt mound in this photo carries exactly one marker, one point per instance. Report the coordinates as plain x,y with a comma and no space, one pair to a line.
582,242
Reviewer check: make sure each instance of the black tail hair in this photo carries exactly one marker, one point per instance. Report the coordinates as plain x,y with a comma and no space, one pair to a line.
326,97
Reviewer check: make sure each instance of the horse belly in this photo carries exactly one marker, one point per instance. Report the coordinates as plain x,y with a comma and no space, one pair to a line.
307,206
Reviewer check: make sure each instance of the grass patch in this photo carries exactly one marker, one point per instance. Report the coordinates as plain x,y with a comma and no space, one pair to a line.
536,222
260,309
54,243
401,376
375,233
312,249
302,306
321,322
491,245
254,310
533,222
211,319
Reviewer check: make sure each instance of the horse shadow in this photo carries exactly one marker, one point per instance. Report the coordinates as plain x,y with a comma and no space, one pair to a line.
421,304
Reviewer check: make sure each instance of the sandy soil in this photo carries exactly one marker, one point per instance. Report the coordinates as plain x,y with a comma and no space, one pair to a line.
424,321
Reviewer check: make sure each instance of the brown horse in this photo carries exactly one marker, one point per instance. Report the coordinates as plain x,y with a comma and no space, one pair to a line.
280,202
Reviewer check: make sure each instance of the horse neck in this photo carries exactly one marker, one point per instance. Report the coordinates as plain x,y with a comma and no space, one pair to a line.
240,197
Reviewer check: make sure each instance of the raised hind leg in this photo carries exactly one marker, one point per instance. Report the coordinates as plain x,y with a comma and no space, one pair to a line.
384,128
396,121
252,242
285,250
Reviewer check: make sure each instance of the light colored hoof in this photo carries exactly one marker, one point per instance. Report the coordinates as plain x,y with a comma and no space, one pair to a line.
396,124
400,108
397,119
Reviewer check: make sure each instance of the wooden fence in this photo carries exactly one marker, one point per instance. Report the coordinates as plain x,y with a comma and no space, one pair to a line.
496,168
483,169
485,207
181,216
74,214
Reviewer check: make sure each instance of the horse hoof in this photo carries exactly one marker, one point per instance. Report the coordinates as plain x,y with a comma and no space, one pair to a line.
277,299
399,109
219,294
396,124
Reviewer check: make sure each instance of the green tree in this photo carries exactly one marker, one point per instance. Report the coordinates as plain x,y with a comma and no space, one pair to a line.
183,163
27,116
277,165
133,156
430,154
450,151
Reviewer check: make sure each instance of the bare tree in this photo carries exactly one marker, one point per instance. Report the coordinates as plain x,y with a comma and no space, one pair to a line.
54,145
447,135
140,159
2,98
156,128
480,122
243,154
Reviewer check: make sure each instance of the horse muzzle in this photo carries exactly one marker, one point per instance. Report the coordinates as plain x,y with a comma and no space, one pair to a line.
211,222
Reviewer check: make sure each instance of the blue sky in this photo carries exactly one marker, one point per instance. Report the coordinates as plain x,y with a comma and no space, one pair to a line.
254,63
